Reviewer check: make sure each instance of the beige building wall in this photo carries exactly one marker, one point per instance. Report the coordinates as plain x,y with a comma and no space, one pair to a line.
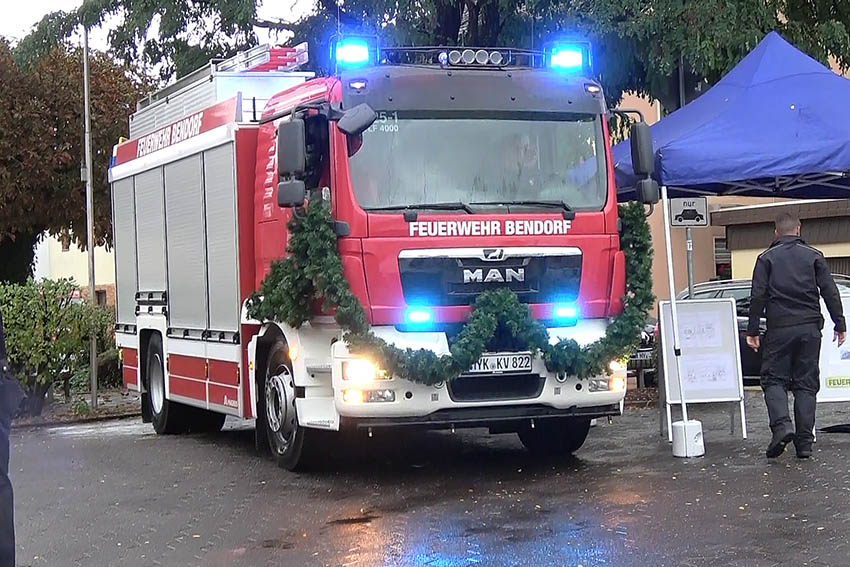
73,263
55,261
743,261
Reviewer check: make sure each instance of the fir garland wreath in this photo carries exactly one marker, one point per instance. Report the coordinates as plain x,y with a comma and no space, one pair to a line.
312,274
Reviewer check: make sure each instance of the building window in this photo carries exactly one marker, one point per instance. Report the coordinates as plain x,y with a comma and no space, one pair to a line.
100,297
722,259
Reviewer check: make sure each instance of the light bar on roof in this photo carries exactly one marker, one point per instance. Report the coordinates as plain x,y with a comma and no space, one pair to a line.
353,52
569,56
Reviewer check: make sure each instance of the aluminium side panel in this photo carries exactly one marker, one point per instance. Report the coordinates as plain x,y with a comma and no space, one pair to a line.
163,112
124,240
150,230
187,263
222,247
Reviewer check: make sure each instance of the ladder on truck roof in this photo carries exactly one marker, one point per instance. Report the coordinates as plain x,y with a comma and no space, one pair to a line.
255,74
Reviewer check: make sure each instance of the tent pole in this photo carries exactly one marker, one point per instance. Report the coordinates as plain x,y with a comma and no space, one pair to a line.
689,241
672,286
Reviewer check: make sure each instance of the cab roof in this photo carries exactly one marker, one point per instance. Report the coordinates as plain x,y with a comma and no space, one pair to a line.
433,88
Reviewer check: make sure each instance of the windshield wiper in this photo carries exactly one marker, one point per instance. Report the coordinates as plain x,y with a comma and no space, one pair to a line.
552,203
447,206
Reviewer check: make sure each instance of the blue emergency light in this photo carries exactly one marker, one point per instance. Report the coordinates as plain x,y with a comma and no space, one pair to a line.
353,52
565,314
418,316
569,56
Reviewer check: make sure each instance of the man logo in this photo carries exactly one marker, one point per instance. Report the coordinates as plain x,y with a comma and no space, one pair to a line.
494,254
505,275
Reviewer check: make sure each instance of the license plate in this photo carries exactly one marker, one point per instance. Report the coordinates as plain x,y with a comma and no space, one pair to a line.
643,355
502,362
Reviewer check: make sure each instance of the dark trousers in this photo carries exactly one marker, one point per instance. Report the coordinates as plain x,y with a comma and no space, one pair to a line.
7,510
10,397
790,362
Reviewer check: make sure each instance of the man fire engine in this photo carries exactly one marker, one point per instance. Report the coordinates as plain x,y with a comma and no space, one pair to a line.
448,172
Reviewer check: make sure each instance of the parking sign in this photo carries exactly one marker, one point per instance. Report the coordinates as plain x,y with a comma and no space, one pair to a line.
691,211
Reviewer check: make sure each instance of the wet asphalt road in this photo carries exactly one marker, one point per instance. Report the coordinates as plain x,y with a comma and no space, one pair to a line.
115,494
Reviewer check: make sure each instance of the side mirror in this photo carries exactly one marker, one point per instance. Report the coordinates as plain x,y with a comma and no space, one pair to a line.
357,120
291,193
643,158
291,148
646,191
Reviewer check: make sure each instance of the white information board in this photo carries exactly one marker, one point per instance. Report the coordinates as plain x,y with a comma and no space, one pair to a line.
834,360
710,354
689,211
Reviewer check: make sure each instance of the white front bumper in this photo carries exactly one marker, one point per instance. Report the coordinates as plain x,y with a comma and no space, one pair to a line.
417,400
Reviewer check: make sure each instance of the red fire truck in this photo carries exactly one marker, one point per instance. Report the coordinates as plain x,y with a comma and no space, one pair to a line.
448,172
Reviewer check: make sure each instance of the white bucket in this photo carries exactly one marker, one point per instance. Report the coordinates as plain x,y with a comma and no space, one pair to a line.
687,439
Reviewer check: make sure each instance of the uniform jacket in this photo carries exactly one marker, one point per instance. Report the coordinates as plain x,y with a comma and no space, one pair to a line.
788,280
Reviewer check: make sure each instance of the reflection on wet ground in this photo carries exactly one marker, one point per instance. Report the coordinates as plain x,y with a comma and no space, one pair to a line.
115,495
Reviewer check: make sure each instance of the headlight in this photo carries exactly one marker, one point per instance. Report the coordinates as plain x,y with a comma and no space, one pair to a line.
359,370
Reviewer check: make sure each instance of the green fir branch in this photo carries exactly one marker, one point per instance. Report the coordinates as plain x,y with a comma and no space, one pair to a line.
311,277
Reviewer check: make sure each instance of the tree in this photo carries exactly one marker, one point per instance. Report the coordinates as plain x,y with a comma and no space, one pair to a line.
47,334
19,132
638,43
41,145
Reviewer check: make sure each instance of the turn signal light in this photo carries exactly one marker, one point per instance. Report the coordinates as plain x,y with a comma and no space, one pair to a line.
616,383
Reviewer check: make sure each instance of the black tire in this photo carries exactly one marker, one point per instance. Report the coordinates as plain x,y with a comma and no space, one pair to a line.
555,436
293,447
167,417
679,219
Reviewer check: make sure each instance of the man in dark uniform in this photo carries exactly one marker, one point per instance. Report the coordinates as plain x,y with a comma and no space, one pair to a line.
788,280
10,398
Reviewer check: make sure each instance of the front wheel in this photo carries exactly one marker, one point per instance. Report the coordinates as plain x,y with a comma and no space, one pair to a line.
555,436
292,446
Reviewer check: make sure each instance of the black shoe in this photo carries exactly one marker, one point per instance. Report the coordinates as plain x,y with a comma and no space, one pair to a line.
804,453
778,443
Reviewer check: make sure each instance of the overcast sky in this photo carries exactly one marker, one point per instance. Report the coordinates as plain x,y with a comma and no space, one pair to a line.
21,15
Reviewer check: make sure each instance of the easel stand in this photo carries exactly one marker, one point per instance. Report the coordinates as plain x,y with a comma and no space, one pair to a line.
711,336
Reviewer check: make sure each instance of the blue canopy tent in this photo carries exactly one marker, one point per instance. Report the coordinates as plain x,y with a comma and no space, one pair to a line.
776,125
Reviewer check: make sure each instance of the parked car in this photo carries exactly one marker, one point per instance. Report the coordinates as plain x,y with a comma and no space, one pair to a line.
642,365
740,290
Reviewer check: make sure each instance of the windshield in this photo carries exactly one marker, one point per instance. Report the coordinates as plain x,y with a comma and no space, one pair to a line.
409,159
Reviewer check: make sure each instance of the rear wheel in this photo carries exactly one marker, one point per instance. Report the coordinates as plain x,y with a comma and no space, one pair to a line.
292,446
166,416
555,436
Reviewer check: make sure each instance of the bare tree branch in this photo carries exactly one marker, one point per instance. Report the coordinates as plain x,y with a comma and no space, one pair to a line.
279,25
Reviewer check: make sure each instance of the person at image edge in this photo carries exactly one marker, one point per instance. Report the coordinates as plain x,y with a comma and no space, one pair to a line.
788,280
10,397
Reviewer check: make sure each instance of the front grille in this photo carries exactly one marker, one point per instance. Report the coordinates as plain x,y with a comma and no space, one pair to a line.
500,387
458,280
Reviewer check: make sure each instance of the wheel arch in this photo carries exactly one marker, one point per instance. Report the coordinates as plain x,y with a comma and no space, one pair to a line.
266,338
145,336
